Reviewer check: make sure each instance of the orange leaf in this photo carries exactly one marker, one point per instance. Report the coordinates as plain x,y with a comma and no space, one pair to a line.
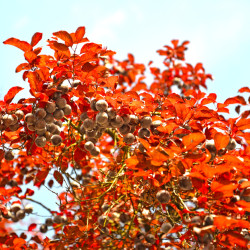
24,46
132,162
61,47
243,124
40,177
223,222
65,36
36,38
30,56
35,81
234,100
11,94
31,227
111,81
58,176
18,242
80,32
22,66
192,140
244,89
221,140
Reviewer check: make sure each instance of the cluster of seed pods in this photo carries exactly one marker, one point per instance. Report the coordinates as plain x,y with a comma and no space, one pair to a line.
57,219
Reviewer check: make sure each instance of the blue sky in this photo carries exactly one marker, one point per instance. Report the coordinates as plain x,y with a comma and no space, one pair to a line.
218,32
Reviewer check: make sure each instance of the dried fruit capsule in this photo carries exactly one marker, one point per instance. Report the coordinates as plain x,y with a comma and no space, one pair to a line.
129,138
28,209
146,122
43,229
88,124
92,104
102,220
63,87
89,146
208,220
30,118
117,122
231,145
9,156
166,227
19,113
111,113
40,141
58,114
91,133
41,132
61,103
126,118
49,118
163,196
105,207
245,194
102,117
196,220
154,126
82,130
8,120
67,109
15,207
143,132
49,222
50,107
58,123
142,148
40,124
95,152
124,217
101,105
51,127
185,183
40,113
57,219
20,214
56,140
14,127
134,120
124,129
83,116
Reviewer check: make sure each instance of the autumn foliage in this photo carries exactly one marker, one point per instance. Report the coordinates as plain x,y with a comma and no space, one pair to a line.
141,165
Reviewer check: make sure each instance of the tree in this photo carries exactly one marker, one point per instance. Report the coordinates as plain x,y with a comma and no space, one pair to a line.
140,165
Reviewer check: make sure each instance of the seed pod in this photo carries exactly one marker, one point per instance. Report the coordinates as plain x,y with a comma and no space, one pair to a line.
58,123
196,220
58,114
67,109
105,207
95,152
91,133
13,183
28,209
48,135
166,227
163,196
124,129
49,118
185,183
57,219
20,214
101,105
51,128
102,220
63,87
40,124
24,171
132,129
208,220
9,156
150,238
40,113
89,146
43,228
102,117
117,122
82,130
245,194
146,122
40,141
57,95
19,113
154,126
83,116
143,132
134,120
88,124
14,218
41,132
15,120
231,145
56,140
14,127
15,207
129,138
111,113
92,105
142,148
50,107
49,222
8,120
30,118
124,217
61,103
126,118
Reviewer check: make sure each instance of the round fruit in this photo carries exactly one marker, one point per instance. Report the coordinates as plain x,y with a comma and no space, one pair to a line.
61,103
57,219
231,145
88,124
134,120
150,238
124,217
143,132
82,130
14,127
117,122
154,126
51,128
43,229
146,122
126,119
58,114
8,120
208,220
102,220
242,180
49,222
95,152
9,156
89,146
19,113
20,214
58,123
166,227
67,109
101,105
50,107
15,119
40,141
13,183
92,105
245,194
102,117
49,118
91,133
28,209
185,183
235,198
105,207
142,148
30,119
56,140
83,116
15,207
129,138
163,196
41,132
40,124
63,87
111,113
124,129
40,113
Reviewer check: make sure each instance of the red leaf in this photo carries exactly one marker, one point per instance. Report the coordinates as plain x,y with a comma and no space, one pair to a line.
36,38
35,81
243,124
221,140
192,140
29,192
111,81
244,89
132,162
80,32
22,66
32,227
30,56
234,100
91,47
65,36
223,222
40,177
18,242
58,176
61,47
24,46
11,94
